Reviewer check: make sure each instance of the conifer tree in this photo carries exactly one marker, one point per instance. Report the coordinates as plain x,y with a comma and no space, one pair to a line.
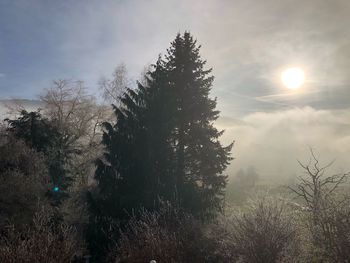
164,145
133,172
200,157
43,136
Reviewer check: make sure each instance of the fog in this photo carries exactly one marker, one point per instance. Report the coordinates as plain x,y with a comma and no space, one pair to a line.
274,141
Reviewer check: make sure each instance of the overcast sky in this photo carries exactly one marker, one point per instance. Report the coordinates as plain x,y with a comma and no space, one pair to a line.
248,43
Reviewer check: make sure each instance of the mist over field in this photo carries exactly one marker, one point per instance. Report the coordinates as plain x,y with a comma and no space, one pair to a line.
273,142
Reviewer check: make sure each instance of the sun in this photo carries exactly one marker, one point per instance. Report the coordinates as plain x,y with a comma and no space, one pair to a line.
293,78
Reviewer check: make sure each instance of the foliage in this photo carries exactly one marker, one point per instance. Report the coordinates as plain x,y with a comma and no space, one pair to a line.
42,135
125,177
36,131
23,181
200,157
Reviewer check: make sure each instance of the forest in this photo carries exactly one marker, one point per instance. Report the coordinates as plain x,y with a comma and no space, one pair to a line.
140,174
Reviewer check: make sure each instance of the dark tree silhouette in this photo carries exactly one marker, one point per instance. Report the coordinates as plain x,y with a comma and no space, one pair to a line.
23,181
137,163
162,148
200,158
43,136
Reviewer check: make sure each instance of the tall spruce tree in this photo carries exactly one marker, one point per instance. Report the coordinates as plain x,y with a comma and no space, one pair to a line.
133,173
200,157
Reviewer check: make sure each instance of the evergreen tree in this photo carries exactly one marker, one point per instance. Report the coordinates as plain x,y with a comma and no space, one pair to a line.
131,174
200,157
23,181
138,153
33,129
43,136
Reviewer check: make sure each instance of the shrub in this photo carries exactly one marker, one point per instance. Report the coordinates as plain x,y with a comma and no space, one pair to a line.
23,181
334,231
166,236
45,241
263,233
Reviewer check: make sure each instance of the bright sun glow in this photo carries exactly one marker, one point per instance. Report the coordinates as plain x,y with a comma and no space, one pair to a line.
293,78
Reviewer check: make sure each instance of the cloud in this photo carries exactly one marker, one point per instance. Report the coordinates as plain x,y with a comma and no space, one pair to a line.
2,75
273,142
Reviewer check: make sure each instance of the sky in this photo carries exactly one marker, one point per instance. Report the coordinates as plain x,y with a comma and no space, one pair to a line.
247,43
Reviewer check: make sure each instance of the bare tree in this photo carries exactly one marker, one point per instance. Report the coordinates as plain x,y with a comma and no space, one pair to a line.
78,117
315,186
145,74
329,212
111,89
75,112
